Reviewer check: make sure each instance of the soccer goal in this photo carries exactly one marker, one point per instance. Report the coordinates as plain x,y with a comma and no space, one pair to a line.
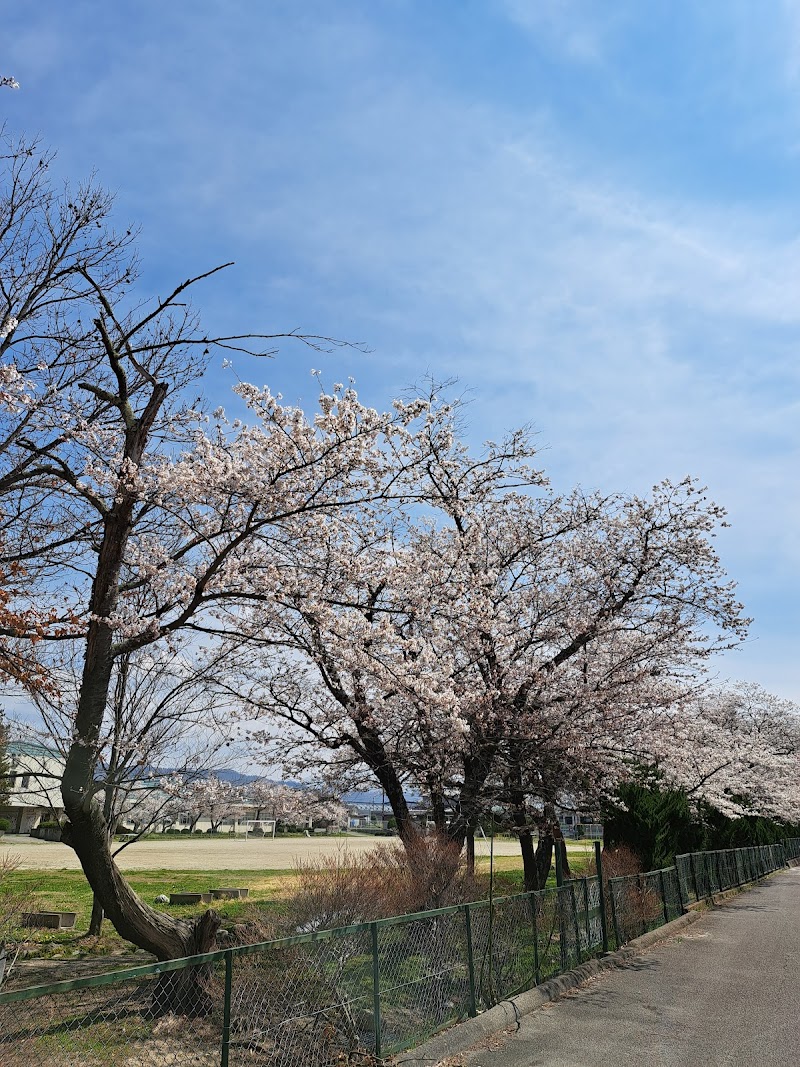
259,828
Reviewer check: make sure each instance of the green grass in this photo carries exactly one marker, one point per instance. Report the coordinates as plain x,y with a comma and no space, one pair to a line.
508,869
68,891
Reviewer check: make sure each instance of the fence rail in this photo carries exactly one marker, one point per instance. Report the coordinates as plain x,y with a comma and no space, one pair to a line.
359,993
701,874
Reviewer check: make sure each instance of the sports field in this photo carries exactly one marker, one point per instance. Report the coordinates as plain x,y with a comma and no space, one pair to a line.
220,854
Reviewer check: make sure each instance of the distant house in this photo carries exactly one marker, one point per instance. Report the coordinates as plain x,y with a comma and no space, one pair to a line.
35,788
580,824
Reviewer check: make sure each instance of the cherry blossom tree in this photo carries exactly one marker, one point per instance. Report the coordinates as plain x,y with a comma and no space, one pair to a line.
294,805
736,748
277,801
155,805
501,652
134,521
209,797
406,607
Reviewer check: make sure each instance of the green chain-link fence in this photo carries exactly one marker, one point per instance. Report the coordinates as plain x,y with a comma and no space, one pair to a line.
701,874
791,847
643,902
354,995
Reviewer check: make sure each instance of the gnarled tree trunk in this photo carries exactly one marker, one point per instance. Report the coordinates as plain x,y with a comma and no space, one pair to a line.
87,830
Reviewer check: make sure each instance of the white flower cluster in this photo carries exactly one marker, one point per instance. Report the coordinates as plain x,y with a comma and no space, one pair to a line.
15,390
9,325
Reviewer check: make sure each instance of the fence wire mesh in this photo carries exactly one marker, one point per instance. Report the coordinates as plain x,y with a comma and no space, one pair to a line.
172,1019
423,977
307,1003
701,874
355,995
643,902
588,901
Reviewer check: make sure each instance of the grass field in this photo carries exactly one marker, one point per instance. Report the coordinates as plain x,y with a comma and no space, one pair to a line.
67,890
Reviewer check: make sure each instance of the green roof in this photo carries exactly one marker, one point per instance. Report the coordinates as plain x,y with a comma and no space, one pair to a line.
31,748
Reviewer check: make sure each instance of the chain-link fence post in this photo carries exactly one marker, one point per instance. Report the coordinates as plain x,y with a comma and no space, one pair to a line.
473,1001
537,966
226,1009
684,904
586,914
665,906
693,868
614,916
601,889
562,919
574,899
376,990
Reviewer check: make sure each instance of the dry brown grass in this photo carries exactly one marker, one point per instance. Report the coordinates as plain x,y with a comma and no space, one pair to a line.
14,899
344,889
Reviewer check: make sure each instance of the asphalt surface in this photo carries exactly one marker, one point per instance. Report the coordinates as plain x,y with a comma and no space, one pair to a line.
725,993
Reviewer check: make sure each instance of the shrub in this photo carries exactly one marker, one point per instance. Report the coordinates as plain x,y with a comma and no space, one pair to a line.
49,824
655,823
617,861
342,890
5,824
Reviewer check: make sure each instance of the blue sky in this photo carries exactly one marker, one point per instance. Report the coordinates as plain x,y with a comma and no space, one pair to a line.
587,211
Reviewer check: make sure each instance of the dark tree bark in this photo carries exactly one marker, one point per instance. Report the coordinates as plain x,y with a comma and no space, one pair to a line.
438,811
96,921
372,750
534,870
544,856
550,837
559,842
166,937
87,830
470,843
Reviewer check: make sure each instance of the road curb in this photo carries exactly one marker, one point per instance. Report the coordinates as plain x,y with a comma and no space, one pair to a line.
507,1014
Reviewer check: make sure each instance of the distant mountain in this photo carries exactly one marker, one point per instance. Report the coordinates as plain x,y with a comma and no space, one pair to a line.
367,797
236,777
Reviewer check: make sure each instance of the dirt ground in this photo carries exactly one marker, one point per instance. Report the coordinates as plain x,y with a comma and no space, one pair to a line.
215,854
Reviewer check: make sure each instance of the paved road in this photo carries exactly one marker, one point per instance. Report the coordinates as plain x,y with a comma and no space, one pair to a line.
214,854
725,993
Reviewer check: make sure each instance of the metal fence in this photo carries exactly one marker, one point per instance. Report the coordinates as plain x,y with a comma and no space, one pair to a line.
357,994
641,902
701,874
791,847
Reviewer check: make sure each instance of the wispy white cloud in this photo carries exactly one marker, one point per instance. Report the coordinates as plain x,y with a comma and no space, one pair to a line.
646,333
577,29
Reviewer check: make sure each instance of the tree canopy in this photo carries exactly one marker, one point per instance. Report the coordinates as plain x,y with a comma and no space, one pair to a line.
403,606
